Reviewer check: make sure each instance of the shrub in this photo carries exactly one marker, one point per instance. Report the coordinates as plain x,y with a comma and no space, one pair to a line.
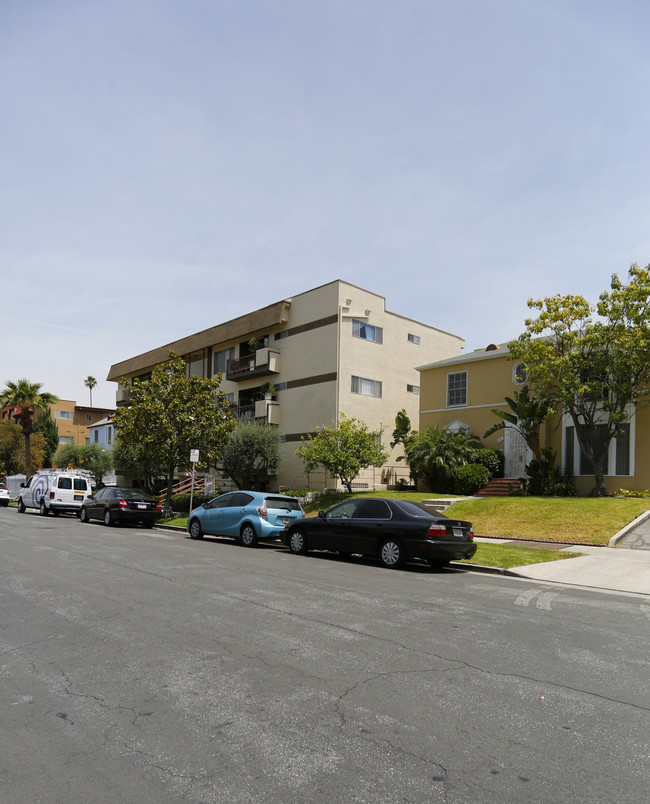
492,459
471,477
296,492
181,502
562,489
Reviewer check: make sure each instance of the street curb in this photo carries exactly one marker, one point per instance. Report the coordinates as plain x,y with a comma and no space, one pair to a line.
617,537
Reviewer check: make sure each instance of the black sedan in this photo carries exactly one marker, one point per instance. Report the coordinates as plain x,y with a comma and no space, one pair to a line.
392,530
121,505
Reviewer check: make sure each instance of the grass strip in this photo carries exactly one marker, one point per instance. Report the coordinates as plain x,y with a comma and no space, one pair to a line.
576,520
506,556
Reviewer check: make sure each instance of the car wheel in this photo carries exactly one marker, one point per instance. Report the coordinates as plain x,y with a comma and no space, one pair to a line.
21,506
147,524
247,535
391,554
42,509
83,515
297,542
108,518
196,532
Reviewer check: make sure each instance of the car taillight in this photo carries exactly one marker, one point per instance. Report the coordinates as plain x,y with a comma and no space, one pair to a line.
123,503
437,531
51,495
470,534
159,506
261,510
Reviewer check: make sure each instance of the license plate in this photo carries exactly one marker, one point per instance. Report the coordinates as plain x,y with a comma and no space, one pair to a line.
142,505
458,533
78,497
285,519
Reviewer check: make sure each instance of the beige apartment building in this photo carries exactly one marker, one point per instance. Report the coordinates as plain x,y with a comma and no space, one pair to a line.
329,351
72,420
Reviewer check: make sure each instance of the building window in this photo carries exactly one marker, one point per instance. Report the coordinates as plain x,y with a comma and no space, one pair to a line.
63,414
194,365
109,435
413,389
456,388
96,434
220,360
622,443
569,449
617,460
519,374
414,338
279,335
89,417
366,331
66,440
360,385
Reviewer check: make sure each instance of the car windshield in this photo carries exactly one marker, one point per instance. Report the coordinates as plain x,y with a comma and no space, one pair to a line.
418,510
287,503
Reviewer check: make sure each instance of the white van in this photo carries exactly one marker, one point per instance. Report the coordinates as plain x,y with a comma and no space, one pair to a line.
56,490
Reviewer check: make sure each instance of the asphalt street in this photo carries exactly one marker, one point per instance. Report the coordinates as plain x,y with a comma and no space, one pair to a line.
142,666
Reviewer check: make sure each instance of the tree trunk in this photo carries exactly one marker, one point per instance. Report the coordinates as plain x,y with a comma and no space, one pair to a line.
28,454
168,495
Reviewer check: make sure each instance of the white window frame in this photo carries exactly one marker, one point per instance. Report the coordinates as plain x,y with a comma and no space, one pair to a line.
412,338
450,390
610,469
366,387
363,330
515,379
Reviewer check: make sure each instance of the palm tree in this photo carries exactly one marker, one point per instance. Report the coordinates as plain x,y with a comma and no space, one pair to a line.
29,398
90,382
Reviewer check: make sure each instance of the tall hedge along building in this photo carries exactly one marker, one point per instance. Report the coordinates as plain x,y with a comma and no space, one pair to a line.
329,351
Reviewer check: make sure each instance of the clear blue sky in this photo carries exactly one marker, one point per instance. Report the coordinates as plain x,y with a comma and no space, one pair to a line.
170,164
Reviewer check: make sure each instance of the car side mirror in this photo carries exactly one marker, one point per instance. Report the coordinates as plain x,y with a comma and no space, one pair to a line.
321,514
205,505
22,485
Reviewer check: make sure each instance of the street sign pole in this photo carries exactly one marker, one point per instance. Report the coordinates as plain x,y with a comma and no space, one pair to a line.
194,457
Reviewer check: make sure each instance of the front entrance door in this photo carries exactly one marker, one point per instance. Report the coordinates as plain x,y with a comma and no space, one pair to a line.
517,454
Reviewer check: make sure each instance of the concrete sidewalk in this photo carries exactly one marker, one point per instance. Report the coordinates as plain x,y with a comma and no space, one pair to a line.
614,569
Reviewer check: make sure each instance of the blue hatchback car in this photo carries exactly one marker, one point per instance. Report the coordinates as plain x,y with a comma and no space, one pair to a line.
245,515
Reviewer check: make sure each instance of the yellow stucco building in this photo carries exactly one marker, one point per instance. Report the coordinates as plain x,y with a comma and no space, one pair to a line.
462,391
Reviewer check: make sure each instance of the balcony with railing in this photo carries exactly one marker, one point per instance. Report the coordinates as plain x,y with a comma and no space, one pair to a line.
267,411
264,362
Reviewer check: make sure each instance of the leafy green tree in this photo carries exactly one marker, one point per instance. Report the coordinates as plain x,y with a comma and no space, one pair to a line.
12,449
135,461
170,414
436,454
344,450
596,371
29,398
90,457
90,383
252,455
46,425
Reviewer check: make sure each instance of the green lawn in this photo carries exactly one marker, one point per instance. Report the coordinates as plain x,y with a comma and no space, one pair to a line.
579,520
506,556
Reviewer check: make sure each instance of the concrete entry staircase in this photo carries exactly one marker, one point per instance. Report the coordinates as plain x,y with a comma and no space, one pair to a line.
499,487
